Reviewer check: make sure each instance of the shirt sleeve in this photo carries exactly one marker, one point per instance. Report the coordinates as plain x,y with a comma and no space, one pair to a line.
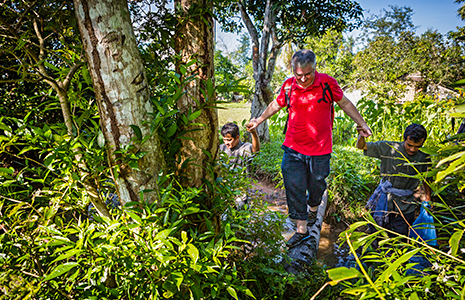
281,99
335,89
375,149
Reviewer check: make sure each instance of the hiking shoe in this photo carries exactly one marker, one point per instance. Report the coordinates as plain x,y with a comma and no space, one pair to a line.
297,238
312,216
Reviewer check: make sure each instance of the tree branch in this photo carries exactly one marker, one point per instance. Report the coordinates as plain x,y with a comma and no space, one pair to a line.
275,49
266,32
65,83
253,36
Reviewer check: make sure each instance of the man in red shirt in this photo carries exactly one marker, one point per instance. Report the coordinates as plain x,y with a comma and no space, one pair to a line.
308,143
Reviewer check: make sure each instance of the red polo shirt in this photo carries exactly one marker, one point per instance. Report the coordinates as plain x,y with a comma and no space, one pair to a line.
310,125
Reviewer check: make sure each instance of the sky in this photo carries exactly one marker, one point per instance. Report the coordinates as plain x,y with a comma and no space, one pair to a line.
438,15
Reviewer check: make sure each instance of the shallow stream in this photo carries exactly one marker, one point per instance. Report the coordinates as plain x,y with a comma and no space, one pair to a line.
329,253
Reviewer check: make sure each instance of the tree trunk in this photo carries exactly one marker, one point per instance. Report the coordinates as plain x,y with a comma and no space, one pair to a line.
263,62
257,108
194,40
122,95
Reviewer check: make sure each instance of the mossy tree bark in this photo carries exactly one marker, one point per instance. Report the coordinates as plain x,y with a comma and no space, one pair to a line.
122,94
194,41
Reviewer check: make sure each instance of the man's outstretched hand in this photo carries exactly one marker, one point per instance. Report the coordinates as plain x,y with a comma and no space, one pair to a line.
252,125
364,130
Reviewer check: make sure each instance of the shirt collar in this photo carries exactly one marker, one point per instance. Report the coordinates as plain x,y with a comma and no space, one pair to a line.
237,146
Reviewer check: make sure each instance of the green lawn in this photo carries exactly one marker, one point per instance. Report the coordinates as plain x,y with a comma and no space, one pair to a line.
233,112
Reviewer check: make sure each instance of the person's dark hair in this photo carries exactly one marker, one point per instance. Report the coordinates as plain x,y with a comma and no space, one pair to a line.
230,128
415,132
303,58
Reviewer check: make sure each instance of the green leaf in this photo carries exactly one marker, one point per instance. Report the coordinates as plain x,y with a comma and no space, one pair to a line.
191,62
60,270
49,65
134,164
193,253
227,230
5,127
452,168
135,217
449,158
343,273
195,115
249,293
387,273
86,76
210,88
68,254
160,109
162,235
454,241
171,130
459,109
6,171
177,278
184,236
461,81
232,292
137,132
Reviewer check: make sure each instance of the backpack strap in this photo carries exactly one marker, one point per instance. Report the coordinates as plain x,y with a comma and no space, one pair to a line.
327,88
287,96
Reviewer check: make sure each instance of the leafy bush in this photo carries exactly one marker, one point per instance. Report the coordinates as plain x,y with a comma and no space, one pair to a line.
405,268
352,179
52,249
392,271
267,164
388,120
142,252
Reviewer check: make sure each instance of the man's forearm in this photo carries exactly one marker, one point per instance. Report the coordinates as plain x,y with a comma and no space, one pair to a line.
272,108
350,109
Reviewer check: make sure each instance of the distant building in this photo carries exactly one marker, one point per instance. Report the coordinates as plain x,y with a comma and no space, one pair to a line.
415,86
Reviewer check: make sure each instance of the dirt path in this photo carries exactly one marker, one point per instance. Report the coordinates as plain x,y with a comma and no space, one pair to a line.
328,251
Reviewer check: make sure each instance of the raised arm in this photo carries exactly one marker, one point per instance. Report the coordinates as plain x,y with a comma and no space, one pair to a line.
350,109
269,111
255,140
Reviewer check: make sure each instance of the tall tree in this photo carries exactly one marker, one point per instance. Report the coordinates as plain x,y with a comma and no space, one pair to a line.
40,44
461,10
335,54
123,98
392,22
394,51
194,46
273,23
